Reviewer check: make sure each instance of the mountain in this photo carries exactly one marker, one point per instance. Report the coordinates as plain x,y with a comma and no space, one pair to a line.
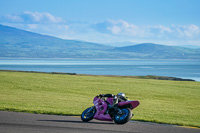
158,51
121,44
16,43
19,43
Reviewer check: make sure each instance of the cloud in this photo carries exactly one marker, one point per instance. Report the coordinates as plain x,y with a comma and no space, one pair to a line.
107,31
123,28
11,18
32,26
40,17
31,17
189,31
116,27
43,23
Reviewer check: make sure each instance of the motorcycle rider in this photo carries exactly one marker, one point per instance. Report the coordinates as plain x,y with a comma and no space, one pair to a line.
109,107
121,97
116,98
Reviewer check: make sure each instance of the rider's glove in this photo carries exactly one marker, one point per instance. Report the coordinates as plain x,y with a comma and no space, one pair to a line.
100,95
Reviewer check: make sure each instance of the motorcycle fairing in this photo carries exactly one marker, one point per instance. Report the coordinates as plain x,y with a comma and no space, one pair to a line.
133,104
101,107
103,117
110,100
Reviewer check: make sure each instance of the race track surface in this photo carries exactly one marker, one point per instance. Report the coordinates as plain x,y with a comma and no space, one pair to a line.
12,122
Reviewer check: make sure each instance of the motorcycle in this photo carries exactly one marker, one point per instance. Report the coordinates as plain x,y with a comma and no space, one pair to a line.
105,109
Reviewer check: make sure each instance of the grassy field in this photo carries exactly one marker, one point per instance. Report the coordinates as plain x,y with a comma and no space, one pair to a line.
173,102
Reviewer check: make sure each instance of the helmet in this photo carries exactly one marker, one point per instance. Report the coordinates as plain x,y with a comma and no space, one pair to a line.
121,95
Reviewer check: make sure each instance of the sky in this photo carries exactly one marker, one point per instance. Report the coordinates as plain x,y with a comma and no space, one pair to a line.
113,22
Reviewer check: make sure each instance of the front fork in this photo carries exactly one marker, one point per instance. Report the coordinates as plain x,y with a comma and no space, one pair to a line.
89,111
119,111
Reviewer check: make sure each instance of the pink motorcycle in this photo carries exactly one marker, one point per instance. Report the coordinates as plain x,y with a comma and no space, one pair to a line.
110,107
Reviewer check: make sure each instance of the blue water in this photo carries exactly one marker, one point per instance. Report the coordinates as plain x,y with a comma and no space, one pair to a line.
187,69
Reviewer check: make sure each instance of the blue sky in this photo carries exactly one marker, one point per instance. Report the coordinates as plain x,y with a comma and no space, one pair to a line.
169,22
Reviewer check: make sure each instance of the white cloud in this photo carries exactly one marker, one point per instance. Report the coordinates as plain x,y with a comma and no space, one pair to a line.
31,17
40,17
107,31
123,28
189,31
32,26
12,18
159,28
115,29
118,27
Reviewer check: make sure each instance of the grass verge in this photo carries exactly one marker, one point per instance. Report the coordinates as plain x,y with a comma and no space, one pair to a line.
162,101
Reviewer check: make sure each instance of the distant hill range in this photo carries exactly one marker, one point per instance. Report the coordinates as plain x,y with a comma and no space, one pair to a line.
16,43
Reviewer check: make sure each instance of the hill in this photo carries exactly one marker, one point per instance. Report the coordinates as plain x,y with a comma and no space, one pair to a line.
16,43
19,43
151,50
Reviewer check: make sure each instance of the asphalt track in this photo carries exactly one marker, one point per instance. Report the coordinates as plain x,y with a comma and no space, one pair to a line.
12,122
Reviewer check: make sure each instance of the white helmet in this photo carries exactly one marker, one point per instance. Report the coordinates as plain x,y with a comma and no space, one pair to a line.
121,95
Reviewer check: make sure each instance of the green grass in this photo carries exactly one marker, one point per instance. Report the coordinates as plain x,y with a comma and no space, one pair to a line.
162,101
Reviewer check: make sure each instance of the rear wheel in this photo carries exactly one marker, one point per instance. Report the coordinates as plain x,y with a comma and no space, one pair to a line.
88,114
123,116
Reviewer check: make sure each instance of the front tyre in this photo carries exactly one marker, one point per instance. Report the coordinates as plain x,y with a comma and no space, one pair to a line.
88,114
123,116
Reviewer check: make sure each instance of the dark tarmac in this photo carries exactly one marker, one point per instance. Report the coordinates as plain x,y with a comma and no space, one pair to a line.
13,122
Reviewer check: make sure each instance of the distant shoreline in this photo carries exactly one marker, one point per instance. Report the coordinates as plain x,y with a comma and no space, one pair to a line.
21,58
140,77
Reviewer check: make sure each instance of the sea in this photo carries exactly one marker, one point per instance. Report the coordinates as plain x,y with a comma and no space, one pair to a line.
186,69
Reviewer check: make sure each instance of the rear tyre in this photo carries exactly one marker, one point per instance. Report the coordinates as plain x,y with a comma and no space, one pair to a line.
123,117
88,114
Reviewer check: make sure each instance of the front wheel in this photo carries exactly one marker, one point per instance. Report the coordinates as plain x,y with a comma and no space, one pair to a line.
88,114
123,116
